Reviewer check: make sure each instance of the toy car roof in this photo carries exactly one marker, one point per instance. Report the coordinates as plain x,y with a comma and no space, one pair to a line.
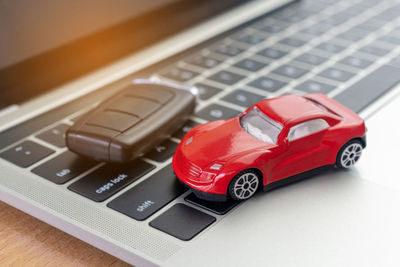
290,109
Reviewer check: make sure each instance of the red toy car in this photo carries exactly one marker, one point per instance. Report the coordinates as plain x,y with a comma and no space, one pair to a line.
270,144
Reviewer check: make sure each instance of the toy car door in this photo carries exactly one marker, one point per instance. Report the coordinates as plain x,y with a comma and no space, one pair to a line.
303,149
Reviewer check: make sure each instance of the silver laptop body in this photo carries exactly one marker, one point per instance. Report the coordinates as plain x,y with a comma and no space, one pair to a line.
349,50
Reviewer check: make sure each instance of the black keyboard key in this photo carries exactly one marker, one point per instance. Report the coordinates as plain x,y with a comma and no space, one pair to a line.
64,167
216,112
311,59
109,179
290,71
272,53
163,151
356,62
353,35
371,25
278,15
243,98
388,15
55,136
206,91
315,30
219,208
178,74
184,129
149,196
294,18
392,39
311,86
370,3
226,77
294,42
326,2
341,16
355,10
336,19
277,28
203,61
396,61
250,65
225,49
249,38
281,15
182,221
304,12
370,88
320,27
267,84
331,22
374,50
314,7
26,153
336,74
330,47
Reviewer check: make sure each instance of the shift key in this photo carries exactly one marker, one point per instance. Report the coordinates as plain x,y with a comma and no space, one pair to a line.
109,179
149,196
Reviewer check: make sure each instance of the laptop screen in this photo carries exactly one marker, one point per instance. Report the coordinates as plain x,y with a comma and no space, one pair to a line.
46,43
33,27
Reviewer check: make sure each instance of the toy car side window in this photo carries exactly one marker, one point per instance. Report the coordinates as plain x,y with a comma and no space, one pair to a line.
307,128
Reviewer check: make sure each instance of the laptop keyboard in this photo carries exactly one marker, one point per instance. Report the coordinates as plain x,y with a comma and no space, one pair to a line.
348,50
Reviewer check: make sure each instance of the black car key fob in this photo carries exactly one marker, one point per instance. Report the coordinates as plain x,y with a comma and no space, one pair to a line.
131,122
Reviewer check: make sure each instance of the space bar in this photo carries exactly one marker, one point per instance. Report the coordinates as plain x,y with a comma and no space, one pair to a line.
370,88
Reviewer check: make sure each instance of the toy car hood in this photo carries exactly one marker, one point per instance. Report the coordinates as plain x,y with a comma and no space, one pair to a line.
226,140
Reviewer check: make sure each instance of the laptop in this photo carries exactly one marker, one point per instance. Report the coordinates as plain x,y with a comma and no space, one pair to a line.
60,59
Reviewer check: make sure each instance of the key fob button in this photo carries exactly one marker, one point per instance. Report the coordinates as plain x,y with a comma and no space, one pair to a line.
159,95
113,120
139,107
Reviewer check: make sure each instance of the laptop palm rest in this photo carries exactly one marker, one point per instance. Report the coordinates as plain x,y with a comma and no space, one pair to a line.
339,217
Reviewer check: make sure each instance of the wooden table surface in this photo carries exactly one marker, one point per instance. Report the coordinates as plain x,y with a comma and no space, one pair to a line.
27,241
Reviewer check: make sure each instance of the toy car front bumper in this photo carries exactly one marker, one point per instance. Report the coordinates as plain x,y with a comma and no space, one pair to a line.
209,196
202,194
214,189
206,196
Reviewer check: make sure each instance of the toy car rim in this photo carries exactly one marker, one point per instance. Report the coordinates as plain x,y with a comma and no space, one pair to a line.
350,155
245,186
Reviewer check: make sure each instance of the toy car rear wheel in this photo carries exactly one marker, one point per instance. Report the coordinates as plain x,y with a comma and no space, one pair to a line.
244,185
349,154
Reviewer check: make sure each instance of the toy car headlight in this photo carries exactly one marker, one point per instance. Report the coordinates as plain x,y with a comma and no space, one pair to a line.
209,173
207,176
215,166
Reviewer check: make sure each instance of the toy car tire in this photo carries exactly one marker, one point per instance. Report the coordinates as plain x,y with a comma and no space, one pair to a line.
244,185
349,154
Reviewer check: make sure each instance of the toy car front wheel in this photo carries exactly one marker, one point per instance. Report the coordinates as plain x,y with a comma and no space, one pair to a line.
349,154
244,185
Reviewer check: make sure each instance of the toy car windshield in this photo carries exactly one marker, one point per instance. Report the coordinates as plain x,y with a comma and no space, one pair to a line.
257,124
